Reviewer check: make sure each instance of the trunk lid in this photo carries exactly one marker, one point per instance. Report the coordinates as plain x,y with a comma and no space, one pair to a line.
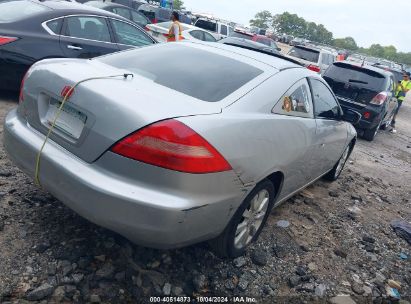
158,32
100,112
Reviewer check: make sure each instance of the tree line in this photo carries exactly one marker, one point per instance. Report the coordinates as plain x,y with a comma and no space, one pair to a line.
296,26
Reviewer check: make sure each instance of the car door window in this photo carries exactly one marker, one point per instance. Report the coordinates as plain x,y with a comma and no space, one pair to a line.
123,12
224,30
208,37
325,105
296,101
197,35
130,35
139,19
93,28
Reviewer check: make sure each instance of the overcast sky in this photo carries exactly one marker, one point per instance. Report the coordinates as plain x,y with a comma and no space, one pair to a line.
367,21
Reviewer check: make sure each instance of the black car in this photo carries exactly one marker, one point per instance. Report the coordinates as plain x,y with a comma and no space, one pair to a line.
156,14
31,31
366,89
122,10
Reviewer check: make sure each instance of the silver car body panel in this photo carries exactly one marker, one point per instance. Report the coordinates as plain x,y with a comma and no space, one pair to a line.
154,206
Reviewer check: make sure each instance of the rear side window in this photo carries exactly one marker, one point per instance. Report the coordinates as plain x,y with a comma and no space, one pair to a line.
18,10
55,25
296,101
207,25
305,54
359,76
214,78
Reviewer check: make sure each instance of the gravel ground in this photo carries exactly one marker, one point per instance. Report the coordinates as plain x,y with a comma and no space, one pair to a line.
338,242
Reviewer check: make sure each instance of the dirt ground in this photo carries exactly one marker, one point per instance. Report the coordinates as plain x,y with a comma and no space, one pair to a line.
339,242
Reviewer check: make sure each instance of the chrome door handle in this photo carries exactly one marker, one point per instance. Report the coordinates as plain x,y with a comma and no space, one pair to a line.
72,47
322,145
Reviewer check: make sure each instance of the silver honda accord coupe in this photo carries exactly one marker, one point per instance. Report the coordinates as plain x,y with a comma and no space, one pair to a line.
175,144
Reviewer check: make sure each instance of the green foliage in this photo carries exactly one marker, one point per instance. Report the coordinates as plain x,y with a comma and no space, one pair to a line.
297,26
178,4
347,43
262,20
292,24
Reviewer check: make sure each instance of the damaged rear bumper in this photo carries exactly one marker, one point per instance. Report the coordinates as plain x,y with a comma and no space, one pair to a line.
151,206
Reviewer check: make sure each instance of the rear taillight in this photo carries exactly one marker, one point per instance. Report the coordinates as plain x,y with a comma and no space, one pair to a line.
367,115
146,28
314,68
21,95
154,20
165,35
4,39
67,91
173,145
379,99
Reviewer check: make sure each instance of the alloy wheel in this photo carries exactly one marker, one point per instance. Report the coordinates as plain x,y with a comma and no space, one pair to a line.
252,219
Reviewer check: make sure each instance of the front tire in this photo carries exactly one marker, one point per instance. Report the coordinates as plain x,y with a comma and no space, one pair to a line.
339,166
247,222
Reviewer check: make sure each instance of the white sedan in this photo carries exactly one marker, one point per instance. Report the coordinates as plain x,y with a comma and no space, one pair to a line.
190,32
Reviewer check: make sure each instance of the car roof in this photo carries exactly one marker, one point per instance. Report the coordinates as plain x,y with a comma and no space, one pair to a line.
64,8
277,62
102,4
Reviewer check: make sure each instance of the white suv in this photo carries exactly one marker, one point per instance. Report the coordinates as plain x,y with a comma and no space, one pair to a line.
315,59
218,29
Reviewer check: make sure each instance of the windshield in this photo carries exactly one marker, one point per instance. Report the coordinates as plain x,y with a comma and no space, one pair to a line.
304,53
202,74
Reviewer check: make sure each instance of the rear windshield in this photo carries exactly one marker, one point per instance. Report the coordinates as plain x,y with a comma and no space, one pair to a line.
306,54
241,35
11,11
202,74
355,75
264,41
207,25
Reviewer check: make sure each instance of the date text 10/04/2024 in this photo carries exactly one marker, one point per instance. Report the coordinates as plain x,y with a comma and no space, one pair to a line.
202,299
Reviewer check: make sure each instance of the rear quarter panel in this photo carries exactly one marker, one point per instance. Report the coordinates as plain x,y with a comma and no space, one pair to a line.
256,142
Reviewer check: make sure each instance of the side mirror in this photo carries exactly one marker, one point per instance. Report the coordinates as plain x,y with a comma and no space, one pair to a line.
351,116
278,49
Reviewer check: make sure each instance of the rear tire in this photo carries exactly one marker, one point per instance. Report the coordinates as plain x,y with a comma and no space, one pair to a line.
371,133
247,222
335,172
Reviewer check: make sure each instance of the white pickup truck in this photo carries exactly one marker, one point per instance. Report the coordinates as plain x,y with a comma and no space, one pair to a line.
218,29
